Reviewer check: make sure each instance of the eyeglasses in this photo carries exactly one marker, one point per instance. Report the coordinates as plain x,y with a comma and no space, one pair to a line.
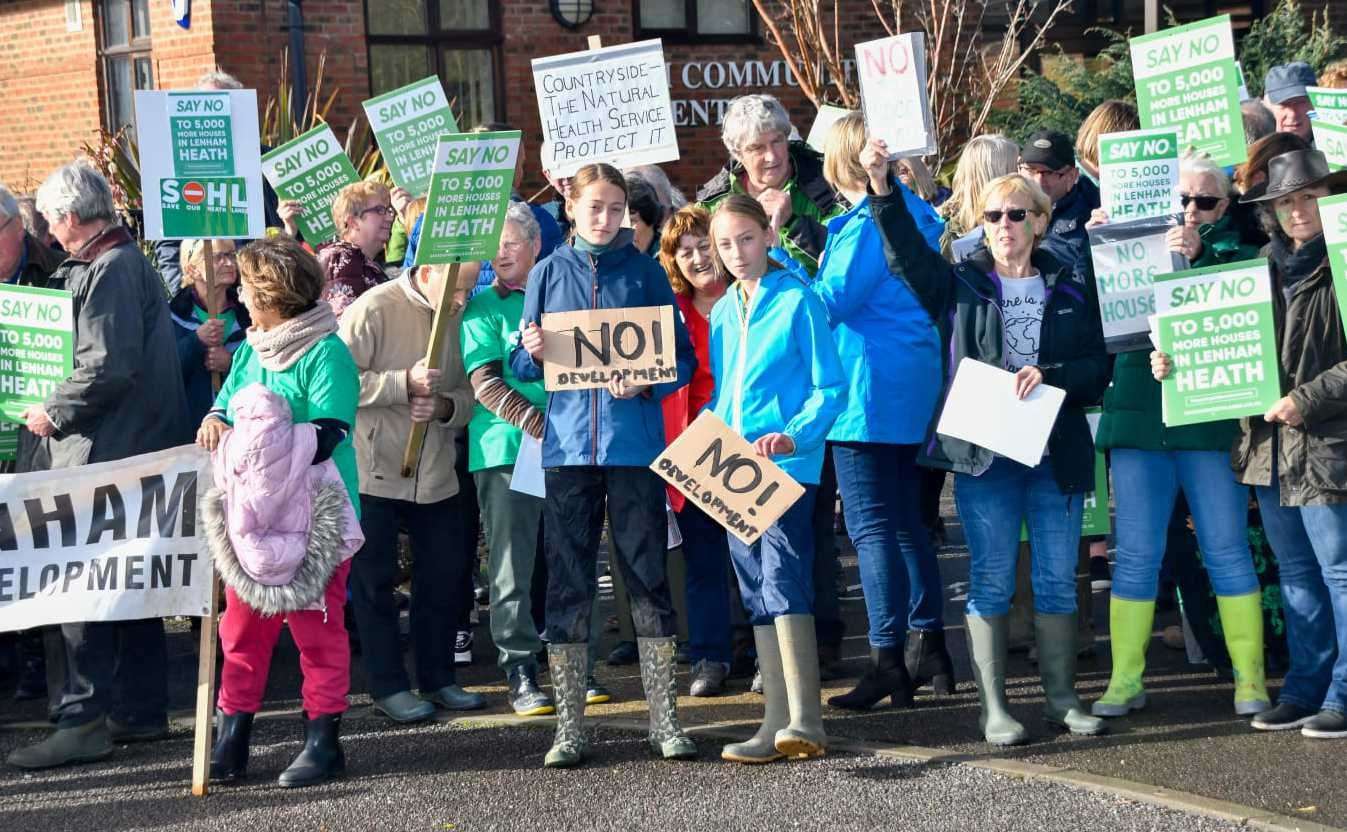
1204,203
1026,170
226,258
381,210
1016,215
512,245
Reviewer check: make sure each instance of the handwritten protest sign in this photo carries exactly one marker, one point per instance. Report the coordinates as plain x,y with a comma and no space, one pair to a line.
1329,104
585,348
311,169
718,471
200,164
1332,140
37,346
469,191
104,542
605,105
407,124
1333,213
1139,174
892,73
828,115
1216,325
1127,258
1186,80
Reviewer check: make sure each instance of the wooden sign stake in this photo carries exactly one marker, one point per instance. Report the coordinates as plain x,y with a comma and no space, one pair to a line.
595,42
205,694
438,330
208,258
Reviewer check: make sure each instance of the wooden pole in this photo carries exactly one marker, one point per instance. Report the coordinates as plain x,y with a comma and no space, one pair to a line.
438,329
1152,16
208,258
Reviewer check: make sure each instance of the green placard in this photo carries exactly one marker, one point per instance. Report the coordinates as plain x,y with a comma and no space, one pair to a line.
311,169
205,207
201,130
9,441
1329,104
1186,79
1333,212
1332,140
1216,324
37,345
407,124
469,191
1139,174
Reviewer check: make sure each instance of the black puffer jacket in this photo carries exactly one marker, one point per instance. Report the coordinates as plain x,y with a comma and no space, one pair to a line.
964,303
1312,357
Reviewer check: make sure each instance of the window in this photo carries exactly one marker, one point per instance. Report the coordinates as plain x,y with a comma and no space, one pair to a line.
458,40
124,39
706,21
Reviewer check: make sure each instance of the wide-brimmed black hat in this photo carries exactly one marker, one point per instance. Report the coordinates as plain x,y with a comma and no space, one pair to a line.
1295,171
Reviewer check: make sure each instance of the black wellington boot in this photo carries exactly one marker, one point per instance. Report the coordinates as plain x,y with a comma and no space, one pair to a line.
928,662
229,757
887,676
322,757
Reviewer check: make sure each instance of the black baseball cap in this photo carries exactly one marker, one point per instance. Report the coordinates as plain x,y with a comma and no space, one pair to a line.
1048,148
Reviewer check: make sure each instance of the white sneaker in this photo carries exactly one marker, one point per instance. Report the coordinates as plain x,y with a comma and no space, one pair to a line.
463,648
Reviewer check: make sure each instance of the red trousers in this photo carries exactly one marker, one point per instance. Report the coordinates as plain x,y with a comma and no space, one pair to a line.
247,640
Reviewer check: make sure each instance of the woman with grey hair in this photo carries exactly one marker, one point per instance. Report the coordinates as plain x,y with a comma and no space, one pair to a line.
784,176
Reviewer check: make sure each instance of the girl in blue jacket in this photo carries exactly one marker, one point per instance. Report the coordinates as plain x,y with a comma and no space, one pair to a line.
597,448
780,385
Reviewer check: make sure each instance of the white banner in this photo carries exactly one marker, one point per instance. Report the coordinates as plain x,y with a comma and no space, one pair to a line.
112,541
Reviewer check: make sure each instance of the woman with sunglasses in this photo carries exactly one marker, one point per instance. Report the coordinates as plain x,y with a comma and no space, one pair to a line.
1016,307
364,214
1151,463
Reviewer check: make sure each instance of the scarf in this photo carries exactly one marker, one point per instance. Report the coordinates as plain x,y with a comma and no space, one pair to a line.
1295,266
279,348
581,244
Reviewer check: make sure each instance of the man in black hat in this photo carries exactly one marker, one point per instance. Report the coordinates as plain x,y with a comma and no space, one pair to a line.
1286,96
1049,159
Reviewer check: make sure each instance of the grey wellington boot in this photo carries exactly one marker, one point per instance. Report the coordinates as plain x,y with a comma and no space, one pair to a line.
85,743
657,678
987,646
1056,639
567,663
804,736
775,716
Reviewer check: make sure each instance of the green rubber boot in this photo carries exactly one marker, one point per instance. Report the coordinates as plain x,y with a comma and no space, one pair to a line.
1055,636
987,647
1242,621
1130,624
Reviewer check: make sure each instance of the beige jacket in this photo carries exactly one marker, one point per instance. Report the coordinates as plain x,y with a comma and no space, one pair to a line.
387,330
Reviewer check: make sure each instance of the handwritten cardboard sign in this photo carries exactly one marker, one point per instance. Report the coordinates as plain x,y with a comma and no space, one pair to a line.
586,348
605,105
893,93
719,472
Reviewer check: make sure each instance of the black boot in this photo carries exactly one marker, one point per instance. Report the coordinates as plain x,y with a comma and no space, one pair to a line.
928,662
887,676
322,757
229,757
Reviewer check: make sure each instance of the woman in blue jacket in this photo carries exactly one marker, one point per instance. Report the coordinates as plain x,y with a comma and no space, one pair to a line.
206,345
597,448
891,352
780,385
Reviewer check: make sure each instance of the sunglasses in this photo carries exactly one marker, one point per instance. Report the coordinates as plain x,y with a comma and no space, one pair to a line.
1204,203
1014,215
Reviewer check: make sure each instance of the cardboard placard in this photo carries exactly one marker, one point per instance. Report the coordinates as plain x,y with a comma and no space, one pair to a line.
311,169
1186,80
1139,174
1329,104
407,124
469,192
1127,258
1331,139
1216,324
200,165
585,348
719,472
1333,213
892,74
605,105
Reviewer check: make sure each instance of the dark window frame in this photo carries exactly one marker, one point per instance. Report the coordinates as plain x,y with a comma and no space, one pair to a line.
135,49
436,40
688,34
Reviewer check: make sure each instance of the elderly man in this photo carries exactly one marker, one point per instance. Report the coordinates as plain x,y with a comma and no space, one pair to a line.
387,329
1285,95
1049,159
507,408
124,398
24,259
784,176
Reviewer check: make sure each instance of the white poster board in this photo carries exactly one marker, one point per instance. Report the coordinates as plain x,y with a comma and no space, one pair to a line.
892,73
982,408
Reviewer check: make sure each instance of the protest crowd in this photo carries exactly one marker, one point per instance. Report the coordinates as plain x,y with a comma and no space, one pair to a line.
831,308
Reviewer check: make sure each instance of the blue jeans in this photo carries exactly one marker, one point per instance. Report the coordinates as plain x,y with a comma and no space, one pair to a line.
706,554
776,573
992,509
1146,484
1311,547
881,497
